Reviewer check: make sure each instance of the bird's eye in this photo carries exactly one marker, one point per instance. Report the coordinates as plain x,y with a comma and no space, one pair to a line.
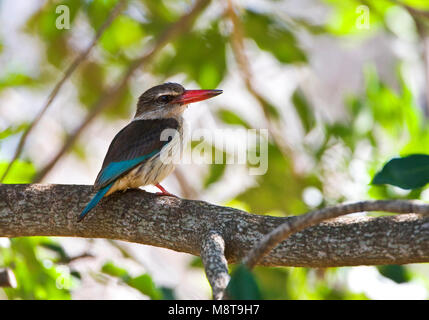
164,98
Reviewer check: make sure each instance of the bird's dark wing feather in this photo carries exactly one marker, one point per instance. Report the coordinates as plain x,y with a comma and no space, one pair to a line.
134,144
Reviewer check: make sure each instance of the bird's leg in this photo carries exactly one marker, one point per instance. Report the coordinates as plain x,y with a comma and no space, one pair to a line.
163,191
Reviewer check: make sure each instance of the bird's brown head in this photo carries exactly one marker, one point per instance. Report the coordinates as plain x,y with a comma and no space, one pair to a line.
169,100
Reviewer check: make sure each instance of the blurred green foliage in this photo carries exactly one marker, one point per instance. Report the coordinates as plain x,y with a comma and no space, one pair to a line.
37,276
242,285
272,35
187,57
142,283
378,117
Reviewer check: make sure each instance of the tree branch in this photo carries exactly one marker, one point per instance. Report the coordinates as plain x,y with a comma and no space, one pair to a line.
182,25
301,222
182,225
239,51
414,12
73,66
215,264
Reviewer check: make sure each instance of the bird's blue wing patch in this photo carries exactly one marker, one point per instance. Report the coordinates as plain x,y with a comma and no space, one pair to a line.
116,169
100,194
108,177
134,144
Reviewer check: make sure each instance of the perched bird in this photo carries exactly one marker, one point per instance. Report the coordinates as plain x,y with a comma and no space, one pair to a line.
133,158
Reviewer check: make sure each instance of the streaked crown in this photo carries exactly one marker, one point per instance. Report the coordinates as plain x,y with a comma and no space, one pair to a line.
155,102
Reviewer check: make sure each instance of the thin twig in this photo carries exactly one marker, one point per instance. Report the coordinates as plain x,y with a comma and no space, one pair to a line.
425,55
68,260
109,95
415,12
238,48
299,223
215,264
424,37
73,66
421,19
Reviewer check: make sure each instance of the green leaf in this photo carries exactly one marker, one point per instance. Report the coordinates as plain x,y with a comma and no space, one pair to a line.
15,79
394,111
168,293
12,130
58,51
111,269
201,55
273,282
272,110
273,35
21,172
158,12
35,279
409,172
98,11
215,173
91,82
242,285
57,248
145,285
196,262
230,117
395,272
304,110
314,29
123,33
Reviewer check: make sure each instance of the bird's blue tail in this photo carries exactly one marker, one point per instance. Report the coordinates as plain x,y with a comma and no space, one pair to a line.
100,194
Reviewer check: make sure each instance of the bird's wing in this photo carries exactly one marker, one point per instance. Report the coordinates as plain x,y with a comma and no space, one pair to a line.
134,144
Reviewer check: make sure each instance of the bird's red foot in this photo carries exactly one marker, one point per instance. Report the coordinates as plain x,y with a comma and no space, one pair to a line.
163,191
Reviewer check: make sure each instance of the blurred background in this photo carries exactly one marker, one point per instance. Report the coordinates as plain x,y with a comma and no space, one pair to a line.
341,86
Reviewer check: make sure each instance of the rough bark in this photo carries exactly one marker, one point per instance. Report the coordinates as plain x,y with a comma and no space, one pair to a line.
215,264
292,226
182,225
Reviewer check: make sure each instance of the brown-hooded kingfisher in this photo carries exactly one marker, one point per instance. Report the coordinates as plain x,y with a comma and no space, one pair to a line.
133,158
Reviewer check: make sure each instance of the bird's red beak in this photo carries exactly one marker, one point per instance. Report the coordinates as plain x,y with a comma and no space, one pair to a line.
190,96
